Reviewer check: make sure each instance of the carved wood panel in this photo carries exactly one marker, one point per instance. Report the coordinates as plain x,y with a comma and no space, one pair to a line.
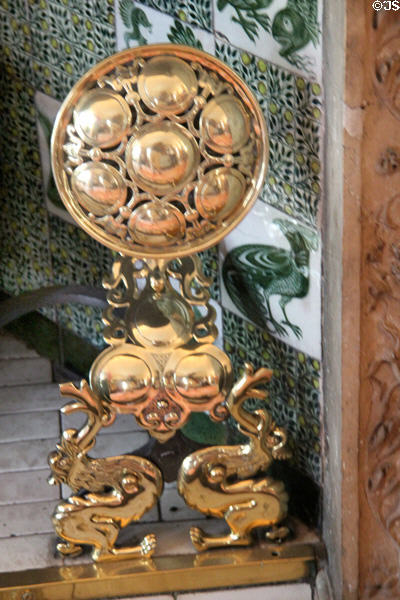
379,450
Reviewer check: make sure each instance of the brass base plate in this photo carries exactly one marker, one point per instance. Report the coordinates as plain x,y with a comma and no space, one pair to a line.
216,569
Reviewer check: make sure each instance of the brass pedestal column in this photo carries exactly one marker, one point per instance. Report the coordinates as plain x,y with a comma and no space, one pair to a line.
158,153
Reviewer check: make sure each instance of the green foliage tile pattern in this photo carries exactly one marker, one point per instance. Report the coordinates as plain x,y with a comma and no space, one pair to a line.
47,45
77,258
292,108
25,262
84,321
209,259
68,37
183,34
293,392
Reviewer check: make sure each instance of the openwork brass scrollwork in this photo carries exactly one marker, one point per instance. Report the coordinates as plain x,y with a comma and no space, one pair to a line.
162,365
158,152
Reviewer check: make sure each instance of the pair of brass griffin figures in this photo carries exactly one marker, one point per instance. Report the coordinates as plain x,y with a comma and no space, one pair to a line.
158,152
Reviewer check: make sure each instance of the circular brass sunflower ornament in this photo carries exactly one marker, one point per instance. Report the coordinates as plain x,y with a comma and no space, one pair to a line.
159,151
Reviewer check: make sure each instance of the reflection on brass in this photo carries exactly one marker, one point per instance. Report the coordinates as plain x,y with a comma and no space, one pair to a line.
118,489
99,187
162,158
224,124
219,193
225,481
167,85
162,364
159,152
102,118
164,574
180,140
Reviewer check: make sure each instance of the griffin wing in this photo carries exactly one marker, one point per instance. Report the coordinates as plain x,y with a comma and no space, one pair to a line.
250,269
309,10
126,10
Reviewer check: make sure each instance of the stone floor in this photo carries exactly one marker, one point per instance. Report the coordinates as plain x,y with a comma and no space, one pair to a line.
30,426
298,591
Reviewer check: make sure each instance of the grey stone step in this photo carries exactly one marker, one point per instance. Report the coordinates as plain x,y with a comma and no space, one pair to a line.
20,364
30,398
149,598
21,487
23,371
30,426
28,552
26,455
289,591
26,519
11,347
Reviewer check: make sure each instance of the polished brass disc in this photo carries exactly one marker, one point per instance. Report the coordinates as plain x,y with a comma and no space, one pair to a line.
163,157
159,151
99,188
219,192
122,375
224,124
102,118
167,85
156,225
199,376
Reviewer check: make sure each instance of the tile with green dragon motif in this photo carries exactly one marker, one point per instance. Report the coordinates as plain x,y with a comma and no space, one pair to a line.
138,24
271,275
195,12
285,32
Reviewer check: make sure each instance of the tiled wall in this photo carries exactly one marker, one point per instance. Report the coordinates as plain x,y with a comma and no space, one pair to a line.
271,313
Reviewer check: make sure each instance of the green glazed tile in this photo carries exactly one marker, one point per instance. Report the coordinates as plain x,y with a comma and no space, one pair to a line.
196,12
294,390
17,63
16,8
209,259
291,106
84,321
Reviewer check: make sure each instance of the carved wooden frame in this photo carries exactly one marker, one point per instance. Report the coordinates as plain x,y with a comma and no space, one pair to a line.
369,534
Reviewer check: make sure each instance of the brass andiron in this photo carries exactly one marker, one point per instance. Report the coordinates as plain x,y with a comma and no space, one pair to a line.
158,152
225,481
96,517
